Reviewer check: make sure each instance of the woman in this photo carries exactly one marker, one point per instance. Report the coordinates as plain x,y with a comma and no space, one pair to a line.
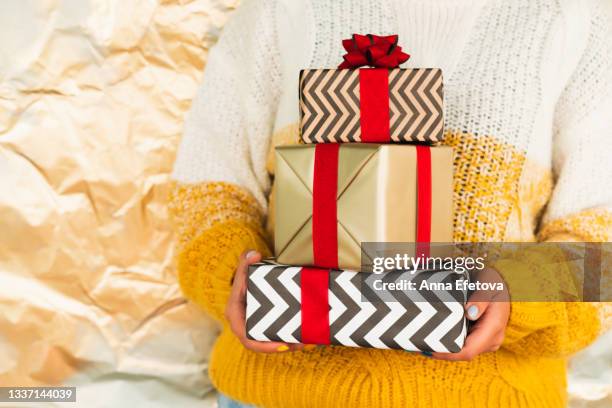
528,95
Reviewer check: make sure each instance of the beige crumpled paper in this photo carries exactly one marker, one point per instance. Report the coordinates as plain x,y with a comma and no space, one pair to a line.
92,99
93,95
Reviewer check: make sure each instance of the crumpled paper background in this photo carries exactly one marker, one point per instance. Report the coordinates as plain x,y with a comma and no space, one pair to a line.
92,101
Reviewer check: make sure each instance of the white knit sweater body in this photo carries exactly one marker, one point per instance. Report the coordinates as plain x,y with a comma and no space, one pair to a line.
533,74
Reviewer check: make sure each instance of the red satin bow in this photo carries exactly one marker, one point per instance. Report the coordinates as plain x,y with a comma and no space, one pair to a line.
373,50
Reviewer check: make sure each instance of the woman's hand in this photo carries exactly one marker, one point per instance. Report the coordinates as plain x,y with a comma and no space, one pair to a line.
235,311
490,310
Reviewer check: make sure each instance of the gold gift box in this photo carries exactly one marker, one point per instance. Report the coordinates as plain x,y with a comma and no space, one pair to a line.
377,200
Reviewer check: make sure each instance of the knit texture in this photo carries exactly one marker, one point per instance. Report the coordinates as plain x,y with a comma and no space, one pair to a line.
528,88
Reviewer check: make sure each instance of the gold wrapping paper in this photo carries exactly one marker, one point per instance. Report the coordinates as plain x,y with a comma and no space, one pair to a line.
93,95
378,203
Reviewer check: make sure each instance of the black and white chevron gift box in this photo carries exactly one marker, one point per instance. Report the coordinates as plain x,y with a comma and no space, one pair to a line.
296,304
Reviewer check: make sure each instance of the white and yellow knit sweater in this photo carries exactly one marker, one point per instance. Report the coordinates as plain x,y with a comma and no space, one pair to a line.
528,88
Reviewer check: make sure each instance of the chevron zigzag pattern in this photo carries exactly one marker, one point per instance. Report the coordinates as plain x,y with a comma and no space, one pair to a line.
359,316
330,107
273,303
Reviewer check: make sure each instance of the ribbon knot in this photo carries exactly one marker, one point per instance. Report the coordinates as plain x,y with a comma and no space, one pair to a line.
372,50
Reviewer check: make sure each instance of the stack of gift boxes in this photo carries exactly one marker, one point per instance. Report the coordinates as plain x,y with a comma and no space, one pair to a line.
368,170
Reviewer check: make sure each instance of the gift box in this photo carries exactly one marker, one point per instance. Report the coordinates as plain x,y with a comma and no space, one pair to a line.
374,105
295,304
380,104
329,198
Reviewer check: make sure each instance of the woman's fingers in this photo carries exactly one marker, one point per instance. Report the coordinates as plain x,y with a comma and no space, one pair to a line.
247,258
475,309
266,346
490,310
235,311
487,334
238,326
479,341
239,282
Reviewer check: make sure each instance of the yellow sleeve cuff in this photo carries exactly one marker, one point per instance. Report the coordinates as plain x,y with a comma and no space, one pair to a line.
207,263
551,327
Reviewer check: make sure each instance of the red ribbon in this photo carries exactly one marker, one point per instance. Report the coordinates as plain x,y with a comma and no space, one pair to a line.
324,205
314,282
324,209
314,285
423,231
373,50
374,105
382,53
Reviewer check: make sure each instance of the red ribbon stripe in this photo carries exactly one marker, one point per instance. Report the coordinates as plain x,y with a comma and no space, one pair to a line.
314,283
324,209
423,232
374,105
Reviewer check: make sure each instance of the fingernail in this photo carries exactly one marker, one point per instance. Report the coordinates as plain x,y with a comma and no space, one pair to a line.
310,347
251,254
426,353
472,312
282,348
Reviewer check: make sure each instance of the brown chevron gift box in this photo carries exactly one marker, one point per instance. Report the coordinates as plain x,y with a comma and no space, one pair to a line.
331,197
421,311
371,105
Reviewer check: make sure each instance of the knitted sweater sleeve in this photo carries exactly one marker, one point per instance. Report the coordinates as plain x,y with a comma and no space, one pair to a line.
580,208
219,200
